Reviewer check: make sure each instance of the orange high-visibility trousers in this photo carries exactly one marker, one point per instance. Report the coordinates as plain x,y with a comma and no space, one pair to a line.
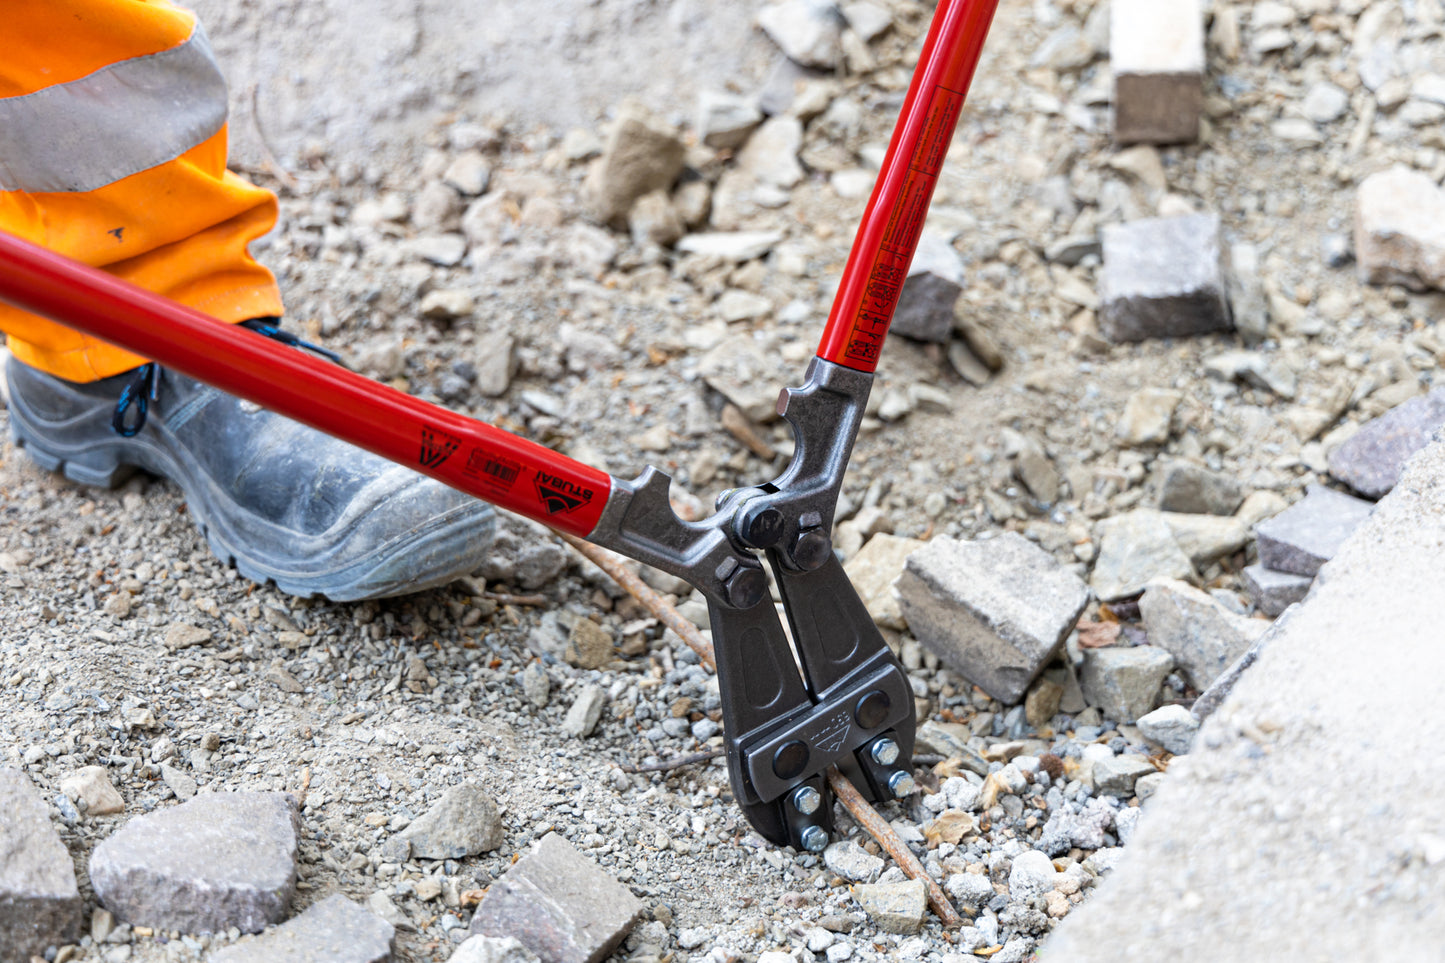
113,152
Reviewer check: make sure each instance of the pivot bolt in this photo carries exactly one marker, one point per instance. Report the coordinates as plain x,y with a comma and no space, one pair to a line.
884,752
760,525
815,839
901,784
806,800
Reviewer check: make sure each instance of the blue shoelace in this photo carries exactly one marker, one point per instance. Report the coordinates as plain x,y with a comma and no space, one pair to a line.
144,385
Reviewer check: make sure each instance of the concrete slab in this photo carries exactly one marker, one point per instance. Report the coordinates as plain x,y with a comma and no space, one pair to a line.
1309,808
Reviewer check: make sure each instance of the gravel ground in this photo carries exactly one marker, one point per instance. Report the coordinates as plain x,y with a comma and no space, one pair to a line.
615,342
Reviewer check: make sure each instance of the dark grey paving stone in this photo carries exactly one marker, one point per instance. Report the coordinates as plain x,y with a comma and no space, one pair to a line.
1303,537
1163,277
39,901
1371,461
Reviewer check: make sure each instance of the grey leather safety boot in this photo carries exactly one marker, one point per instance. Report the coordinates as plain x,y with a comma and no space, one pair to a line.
281,501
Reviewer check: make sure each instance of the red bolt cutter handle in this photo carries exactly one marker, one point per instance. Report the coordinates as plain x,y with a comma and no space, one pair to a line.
467,454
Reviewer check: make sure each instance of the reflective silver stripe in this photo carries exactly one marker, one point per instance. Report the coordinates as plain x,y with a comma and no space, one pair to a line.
122,119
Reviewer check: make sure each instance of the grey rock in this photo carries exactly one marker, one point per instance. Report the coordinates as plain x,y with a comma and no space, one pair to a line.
178,781
1400,229
436,204
335,930
468,173
523,554
495,364
444,250
486,949
91,790
1248,303
1170,727
1255,369
1306,535
1205,538
972,890
735,246
951,739
1116,776
1032,874
641,155
740,370
559,904
1134,549
1273,592
1203,636
935,278
771,154
995,610
1148,784
536,684
1190,488
810,32
654,220
874,569
867,19
1156,51
1085,829
1162,278
586,709
724,121
40,903
447,304
1147,416
1069,251
1124,682
381,906
1211,698
220,860
1371,460
464,822
852,862
894,907
1324,102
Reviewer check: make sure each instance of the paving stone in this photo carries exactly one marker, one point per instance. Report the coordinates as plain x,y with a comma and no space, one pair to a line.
40,904
1156,50
874,569
1162,278
1148,414
1400,229
1272,592
220,860
1306,535
464,822
586,710
1124,681
935,279
1116,776
486,949
1371,460
810,32
1203,636
1196,490
335,930
1171,727
559,904
642,154
90,789
994,610
893,907
1134,549
724,120
852,862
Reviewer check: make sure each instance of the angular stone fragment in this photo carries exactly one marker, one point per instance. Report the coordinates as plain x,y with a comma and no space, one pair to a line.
1203,636
935,279
1306,535
1116,776
1171,727
485,949
874,569
335,930
1371,460
586,710
91,789
559,904
724,121
736,246
1205,538
464,822
1400,229
994,610
40,903
217,861
810,32
1191,489
1156,50
589,645
1134,549
951,739
1162,278
852,862
1124,682
641,155
894,907
1248,304
1147,416
742,372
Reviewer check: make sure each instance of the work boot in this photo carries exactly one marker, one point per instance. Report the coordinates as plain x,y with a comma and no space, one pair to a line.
283,502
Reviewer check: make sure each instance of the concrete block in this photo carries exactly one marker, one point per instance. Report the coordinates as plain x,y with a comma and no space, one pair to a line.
335,930
1156,48
1307,534
1124,682
1163,277
995,610
1400,229
1203,636
40,903
1370,462
559,904
1273,592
